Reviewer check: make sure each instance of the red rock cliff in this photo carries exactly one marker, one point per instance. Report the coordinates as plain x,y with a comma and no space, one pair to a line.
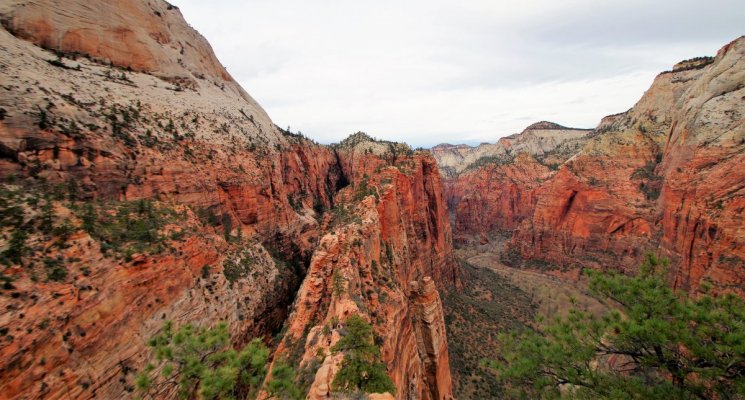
388,234
494,197
135,106
492,186
664,177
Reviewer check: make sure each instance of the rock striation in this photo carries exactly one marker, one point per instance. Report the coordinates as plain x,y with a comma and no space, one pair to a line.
492,186
389,233
494,197
664,176
127,104
541,139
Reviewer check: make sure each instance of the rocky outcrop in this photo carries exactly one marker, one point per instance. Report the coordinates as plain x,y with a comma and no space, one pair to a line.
703,197
145,36
389,232
494,197
429,327
134,106
664,177
492,186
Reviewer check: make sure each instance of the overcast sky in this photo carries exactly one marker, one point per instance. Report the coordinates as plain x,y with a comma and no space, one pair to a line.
431,71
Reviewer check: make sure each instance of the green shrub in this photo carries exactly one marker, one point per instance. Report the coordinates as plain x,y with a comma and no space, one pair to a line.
238,266
337,282
200,363
16,247
282,382
361,369
56,270
363,190
128,227
669,345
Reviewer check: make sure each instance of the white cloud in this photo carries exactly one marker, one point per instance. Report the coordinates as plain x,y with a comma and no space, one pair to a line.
436,71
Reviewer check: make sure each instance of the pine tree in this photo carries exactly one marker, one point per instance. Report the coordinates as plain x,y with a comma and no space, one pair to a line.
200,363
16,246
658,344
282,382
361,369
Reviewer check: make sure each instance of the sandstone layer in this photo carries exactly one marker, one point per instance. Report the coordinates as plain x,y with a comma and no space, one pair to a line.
389,242
492,186
539,139
124,102
495,197
665,176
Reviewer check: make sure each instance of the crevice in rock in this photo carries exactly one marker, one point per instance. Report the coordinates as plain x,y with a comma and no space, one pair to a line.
568,205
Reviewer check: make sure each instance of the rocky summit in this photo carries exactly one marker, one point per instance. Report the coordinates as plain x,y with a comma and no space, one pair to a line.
161,237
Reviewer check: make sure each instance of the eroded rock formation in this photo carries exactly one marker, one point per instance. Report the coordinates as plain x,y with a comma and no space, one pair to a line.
543,139
665,176
492,186
494,197
369,263
125,102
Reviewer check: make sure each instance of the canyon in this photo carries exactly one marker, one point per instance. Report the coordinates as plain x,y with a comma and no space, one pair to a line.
663,177
135,109
142,184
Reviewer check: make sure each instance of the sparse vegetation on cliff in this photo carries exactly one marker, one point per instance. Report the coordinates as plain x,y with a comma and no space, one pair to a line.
128,227
200,363
361,369
651,183
490,160
659,344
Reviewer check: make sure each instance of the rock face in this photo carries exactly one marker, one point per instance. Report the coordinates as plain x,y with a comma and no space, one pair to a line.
494,197
145,36
135,106
429,326
665,176
492,186
371,264
541,139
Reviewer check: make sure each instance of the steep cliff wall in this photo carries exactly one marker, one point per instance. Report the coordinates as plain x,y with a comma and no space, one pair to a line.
494,197
665,175
703,192
388,244
492,186
134,126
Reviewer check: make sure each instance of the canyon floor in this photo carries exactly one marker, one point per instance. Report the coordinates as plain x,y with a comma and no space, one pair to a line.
498,298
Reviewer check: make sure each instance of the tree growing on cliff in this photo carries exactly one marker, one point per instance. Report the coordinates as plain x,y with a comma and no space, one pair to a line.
282,382
201,363
659,344
361,369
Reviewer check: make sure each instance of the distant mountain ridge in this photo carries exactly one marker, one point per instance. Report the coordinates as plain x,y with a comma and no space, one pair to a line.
538,139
